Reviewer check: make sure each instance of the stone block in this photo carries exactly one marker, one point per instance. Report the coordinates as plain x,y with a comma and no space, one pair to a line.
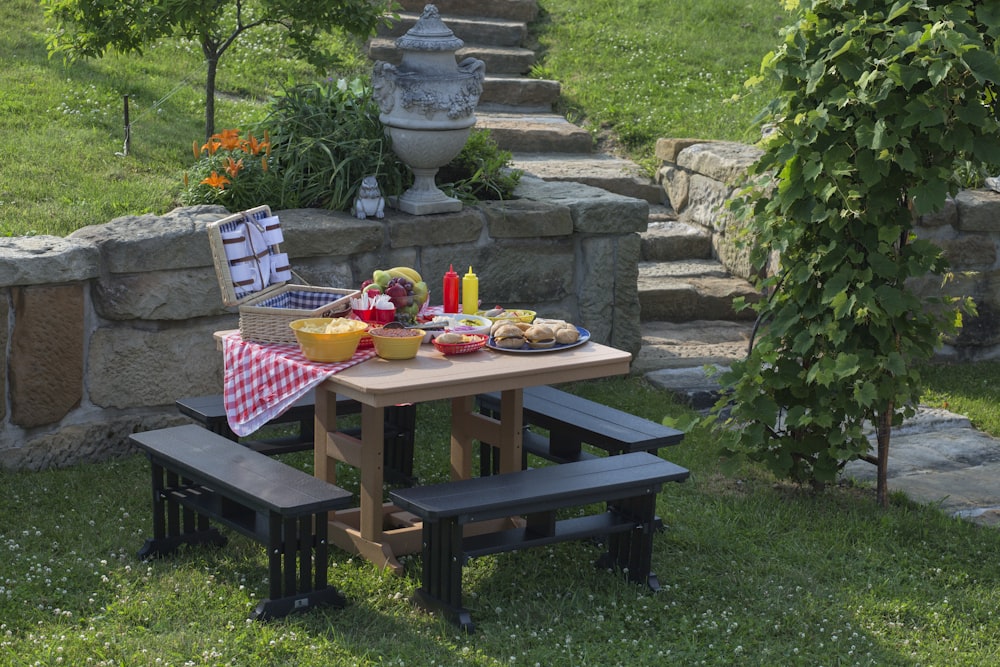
978,210
969,251
522,273
611,215
140,243
329,271
42,260
675,183
609,300
316,232
90,442
707,203
667,150
136,368
46,353
463,226
594,211
946,217
724,161
981,330
521,218
159,295
732,248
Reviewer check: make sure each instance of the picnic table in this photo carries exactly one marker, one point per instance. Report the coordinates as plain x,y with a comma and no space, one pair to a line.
379,531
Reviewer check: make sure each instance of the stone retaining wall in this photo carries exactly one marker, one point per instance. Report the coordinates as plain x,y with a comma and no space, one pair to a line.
701,177
102,330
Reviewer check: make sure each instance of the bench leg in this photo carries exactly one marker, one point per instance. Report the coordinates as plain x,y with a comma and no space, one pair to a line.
441,584
297,567
632,551
172,527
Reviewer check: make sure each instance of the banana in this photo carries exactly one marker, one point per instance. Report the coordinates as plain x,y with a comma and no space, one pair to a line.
406,272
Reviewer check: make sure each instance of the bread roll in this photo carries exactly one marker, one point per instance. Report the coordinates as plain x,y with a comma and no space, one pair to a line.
508,337
567,335
539,333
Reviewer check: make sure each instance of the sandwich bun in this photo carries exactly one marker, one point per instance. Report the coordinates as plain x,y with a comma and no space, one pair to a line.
540,336
567,335
450,338
508,337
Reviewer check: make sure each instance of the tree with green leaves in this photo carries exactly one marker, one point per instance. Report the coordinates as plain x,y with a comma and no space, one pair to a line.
89,28
878,101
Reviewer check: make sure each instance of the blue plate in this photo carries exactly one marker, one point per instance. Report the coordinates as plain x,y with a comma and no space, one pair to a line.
584,337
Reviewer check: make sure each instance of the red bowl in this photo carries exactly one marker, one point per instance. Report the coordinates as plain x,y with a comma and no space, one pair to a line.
476,342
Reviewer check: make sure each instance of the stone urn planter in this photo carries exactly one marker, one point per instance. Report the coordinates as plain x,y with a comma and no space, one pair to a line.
427,106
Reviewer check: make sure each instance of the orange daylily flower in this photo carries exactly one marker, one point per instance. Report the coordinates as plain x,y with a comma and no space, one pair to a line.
263,164
253,146
211,147
229,139
194,149
215,181
233,167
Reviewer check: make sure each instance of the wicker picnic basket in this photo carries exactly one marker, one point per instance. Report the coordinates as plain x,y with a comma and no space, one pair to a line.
255,275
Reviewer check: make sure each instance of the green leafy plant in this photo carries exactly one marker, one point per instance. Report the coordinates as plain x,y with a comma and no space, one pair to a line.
481,171
322,140
878,103
326,137
232,171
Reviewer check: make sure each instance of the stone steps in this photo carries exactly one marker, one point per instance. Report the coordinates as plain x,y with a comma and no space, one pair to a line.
607,172
516,94
511,10
690,289
517,109
471,30
535,133
688,322
685,296
500,60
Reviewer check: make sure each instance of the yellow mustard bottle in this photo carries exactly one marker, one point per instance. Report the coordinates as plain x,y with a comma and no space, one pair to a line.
470,292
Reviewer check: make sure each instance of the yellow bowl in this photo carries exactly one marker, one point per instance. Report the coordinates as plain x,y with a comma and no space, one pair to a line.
513,315
390,345
317,345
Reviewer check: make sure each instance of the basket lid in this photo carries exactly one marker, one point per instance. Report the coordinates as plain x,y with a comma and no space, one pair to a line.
246,251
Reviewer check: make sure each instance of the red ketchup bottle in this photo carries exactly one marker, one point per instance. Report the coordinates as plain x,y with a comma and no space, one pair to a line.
450,291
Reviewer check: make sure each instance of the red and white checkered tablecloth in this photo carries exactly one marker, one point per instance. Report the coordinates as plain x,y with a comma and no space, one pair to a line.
262,380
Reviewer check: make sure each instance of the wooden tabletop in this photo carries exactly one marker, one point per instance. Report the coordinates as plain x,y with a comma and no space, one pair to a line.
431,375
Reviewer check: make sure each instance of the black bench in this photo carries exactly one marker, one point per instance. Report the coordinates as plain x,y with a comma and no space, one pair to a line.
573,421
627,483
198,475
400,423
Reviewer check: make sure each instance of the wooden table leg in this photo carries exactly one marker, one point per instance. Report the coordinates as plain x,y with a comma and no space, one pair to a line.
372,472
463,430
511,425
506,433
325,421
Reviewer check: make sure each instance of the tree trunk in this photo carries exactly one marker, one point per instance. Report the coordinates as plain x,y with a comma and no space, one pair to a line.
883,432
212,62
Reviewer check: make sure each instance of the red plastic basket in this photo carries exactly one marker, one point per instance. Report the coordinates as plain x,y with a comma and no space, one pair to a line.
461,348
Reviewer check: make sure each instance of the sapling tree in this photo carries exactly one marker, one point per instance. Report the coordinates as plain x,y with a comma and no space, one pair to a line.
89,28
878,101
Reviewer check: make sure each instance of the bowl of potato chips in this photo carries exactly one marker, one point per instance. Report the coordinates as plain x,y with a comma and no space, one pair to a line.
328,339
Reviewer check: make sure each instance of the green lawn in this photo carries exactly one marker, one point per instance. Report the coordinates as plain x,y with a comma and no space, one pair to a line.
754,572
